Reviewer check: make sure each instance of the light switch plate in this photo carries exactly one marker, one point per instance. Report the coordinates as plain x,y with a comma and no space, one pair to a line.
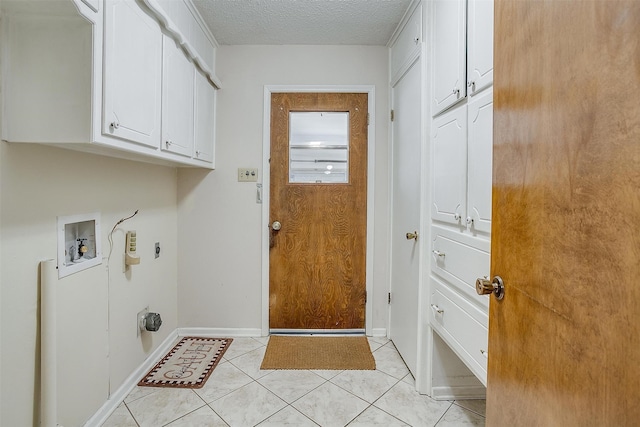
247,174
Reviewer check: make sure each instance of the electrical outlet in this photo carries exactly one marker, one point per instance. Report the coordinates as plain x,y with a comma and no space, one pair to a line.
140,320
247,174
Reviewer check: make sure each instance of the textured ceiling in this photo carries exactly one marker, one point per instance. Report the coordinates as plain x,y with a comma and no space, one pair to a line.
327,22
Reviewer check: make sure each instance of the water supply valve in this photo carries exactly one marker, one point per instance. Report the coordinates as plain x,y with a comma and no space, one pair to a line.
150,322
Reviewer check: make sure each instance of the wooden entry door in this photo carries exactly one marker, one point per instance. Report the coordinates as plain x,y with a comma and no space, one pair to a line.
317,256
564,343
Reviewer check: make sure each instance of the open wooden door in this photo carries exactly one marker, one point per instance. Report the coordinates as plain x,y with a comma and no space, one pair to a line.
564,343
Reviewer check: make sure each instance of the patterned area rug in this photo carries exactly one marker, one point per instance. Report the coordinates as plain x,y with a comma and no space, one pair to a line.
333,353
188,364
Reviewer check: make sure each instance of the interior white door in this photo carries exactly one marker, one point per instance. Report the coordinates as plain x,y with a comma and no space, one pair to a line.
405,253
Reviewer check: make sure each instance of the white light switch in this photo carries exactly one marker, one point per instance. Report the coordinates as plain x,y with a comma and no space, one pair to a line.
247,174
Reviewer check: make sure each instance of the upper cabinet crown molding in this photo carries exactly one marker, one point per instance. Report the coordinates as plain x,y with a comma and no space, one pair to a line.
95,78
185,26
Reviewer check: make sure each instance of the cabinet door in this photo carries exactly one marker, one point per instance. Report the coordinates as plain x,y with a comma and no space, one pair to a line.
480,45
480,159
132,74
449,51
407,46
177,99
205,119
449,171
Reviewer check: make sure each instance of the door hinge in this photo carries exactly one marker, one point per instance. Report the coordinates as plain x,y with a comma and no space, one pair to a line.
393,115
389,298
365,297
367,119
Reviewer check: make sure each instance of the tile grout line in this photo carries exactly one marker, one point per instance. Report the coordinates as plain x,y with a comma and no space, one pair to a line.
444,414
468,409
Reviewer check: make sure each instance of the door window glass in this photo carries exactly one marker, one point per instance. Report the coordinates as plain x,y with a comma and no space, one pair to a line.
319,147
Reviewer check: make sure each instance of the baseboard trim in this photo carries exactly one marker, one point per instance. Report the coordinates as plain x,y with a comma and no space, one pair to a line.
459,392
379,332
118,396
219,332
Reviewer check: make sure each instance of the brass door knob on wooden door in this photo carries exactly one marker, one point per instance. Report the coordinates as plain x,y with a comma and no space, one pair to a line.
275,225
412,236
485,286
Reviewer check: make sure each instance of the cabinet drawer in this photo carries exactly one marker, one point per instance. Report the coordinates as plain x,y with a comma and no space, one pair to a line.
462,326
460,259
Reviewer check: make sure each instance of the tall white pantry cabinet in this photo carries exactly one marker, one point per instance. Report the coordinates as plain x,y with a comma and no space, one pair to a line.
461,101
130,79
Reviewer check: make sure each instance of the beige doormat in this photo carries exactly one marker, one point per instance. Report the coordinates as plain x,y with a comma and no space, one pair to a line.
322,353
188,364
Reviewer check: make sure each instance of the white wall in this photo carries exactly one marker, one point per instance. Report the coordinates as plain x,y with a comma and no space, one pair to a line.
219,232
38,183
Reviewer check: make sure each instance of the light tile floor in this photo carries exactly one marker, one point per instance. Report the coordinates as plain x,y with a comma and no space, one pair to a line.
239,394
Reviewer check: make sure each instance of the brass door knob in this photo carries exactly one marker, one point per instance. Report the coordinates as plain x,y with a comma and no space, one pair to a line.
275,226
485,287
412,236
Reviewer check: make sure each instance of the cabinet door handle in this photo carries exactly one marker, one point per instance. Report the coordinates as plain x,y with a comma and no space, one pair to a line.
168,143
115,125
457,216
438,253
485,353
456,91
437,309
471,84
469,220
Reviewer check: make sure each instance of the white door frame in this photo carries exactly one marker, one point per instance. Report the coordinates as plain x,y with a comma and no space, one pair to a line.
266,182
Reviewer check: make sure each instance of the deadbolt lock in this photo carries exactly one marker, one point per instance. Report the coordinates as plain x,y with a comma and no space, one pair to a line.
485,287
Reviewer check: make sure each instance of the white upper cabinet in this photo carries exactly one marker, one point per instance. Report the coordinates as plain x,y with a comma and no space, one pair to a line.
449,50
95,75
480,161
205,119
407,46
462,50
132,73
177,99
480,45
449,170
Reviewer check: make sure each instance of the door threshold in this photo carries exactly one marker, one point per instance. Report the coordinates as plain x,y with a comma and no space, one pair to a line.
319,332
